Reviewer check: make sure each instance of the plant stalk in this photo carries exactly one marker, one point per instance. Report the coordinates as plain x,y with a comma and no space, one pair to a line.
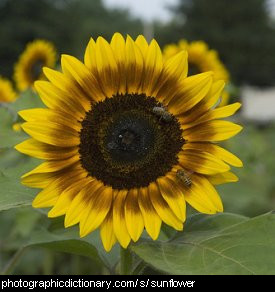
8,269
125,261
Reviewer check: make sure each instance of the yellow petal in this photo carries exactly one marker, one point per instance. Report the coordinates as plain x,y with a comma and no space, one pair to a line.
48,196
214,94
39,180
177,66
65,84
174,71
45,199
205,104
119,49
73,68
217,151
201,162
212,131
57,79
55,98
79,203
153,67
118,46
119,223
134,66
105,55
43,114
210,191
221,178
162,208
142,44
107,234
173,195
202,196
98,207
53,166
151,219
90,57
52,133
107,67
41,150
224,98
63,203
225,111
218,113
193,90
133,216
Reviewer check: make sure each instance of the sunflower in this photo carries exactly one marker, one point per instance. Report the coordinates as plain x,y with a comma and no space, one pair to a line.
7,94
201,59
128,139
28,69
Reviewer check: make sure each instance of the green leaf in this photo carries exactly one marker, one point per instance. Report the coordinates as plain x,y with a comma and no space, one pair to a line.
67,240
11,159
12,193
8,137
62,244
25,219
27,100
218,244
8,116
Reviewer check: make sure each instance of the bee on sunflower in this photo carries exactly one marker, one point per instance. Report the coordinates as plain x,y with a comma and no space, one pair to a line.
112,161
201,59
28,69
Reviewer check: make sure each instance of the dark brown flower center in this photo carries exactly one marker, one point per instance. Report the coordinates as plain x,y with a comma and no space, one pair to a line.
36,69
125,144
193,69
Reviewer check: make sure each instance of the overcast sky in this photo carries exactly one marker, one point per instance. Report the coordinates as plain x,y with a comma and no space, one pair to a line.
153,9
146,9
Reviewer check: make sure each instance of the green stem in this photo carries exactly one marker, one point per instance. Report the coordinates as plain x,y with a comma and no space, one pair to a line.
139,268
12,263
125,261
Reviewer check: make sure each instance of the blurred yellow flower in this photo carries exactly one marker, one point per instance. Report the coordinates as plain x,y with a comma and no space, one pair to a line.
7,94
28,69
201,59
17,127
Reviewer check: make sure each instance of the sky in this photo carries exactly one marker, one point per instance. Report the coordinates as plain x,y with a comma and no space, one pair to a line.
148,10
272,7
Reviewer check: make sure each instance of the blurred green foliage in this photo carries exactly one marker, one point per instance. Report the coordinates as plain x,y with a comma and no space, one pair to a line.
69,24
241,31
254,194
221,244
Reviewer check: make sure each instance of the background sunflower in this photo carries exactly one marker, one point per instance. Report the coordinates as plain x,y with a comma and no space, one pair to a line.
201,59
7,93
28,69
